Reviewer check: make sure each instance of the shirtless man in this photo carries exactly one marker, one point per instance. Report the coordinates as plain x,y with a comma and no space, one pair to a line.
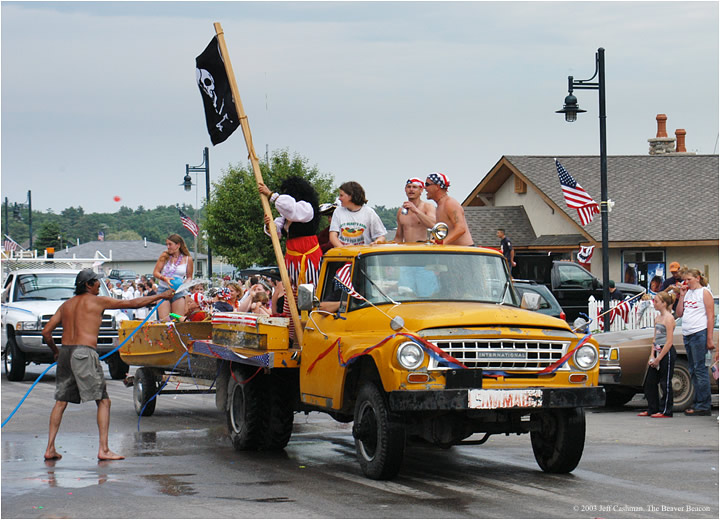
79,373
448,210
419,216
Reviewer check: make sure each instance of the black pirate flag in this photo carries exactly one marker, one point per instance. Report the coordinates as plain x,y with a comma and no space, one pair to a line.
220,113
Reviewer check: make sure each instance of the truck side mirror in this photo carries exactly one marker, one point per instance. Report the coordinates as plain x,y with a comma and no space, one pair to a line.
306,297
530,301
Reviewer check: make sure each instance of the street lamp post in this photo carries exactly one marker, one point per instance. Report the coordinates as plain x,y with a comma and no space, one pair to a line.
571,110
187,183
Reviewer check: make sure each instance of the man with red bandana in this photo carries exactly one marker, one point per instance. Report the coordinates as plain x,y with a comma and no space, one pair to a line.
416,216
448,210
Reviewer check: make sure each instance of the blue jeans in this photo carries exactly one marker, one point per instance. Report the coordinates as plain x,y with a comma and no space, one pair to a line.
696,347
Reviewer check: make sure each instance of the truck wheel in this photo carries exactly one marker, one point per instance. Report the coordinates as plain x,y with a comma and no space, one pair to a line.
280,415
14,361
618,396
117,367
379,441
145,386
683,389
246,406
559,443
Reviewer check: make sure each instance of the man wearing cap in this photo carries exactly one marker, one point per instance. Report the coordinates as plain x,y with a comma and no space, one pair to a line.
448,210
674,278
615,293
416,216
79,372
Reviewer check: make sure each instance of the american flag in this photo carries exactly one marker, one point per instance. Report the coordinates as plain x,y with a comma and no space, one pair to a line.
622,310
9,244
188,223
576,197
343,279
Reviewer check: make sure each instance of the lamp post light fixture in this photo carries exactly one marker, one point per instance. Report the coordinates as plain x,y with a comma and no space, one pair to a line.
571,110
204,167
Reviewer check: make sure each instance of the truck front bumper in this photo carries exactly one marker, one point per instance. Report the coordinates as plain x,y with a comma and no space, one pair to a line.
496,399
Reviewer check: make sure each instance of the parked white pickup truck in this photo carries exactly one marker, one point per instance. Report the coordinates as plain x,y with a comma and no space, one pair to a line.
30,297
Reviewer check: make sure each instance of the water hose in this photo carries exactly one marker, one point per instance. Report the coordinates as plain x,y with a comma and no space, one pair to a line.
55,363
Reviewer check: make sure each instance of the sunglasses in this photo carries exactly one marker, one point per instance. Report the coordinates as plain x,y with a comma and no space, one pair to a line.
429,184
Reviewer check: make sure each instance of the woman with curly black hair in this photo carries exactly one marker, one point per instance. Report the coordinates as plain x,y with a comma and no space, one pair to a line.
297,204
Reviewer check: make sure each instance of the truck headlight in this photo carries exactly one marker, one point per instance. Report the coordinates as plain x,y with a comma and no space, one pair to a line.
27,325
410,355
586,357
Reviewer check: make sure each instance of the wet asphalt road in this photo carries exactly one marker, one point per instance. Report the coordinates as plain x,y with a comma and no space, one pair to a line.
181,465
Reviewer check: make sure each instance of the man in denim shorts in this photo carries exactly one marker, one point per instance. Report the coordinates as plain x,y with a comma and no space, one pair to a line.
79,372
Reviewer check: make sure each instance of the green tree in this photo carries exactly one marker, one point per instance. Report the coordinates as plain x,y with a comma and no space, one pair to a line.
48,236
234,215
387,215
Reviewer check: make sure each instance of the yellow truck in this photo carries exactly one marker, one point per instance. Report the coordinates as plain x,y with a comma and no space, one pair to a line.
410,342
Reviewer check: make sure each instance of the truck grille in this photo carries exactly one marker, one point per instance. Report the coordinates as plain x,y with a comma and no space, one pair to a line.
105,335
505,354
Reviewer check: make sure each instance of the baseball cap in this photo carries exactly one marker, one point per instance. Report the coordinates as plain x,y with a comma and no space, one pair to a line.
674,266
611,283
86,275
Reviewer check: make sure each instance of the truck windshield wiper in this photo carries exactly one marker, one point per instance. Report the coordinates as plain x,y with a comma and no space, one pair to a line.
502,298
378,288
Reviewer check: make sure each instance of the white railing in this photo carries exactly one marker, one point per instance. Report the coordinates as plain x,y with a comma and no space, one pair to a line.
641,316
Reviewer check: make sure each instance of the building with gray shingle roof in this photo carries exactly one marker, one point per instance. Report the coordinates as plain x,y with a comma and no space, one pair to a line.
665,209
137,255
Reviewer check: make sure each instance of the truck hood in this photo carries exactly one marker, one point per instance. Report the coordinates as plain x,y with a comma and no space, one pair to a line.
36,308
427,315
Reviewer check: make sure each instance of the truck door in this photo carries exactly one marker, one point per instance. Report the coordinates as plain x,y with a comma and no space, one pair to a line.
573,286
320,373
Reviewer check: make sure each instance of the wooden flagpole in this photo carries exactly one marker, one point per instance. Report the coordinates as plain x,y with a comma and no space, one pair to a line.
258,177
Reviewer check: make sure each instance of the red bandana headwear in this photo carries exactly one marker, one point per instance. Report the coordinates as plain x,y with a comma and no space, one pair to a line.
440,180
416,181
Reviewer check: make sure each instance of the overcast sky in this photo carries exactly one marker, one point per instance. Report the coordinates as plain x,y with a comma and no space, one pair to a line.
99,99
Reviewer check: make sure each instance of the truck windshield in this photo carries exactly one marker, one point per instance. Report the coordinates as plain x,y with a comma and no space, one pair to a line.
432,276
48,286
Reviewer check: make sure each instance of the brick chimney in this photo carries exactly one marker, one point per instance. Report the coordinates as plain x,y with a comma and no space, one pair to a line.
662,125
661,144
680,136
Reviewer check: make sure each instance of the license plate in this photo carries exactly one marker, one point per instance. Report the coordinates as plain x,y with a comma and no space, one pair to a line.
493,399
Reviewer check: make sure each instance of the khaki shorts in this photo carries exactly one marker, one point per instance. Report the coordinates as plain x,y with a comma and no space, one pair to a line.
80,375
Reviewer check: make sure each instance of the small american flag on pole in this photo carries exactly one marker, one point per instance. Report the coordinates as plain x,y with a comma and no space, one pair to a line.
343,279
576,197
188,223
10,245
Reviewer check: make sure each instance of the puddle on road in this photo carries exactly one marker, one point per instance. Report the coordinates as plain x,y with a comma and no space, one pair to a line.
171,485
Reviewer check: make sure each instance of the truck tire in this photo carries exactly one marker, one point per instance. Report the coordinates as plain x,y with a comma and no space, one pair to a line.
14,361
683,389
246,408
559,443
281,414
145,386
379,440
618,396
117,367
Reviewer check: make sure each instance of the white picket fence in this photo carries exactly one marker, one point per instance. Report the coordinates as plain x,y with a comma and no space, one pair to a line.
641,316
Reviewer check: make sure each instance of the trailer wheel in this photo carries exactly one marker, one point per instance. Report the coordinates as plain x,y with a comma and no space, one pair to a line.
559,443
117,367
245,408
145,386
379,440
14,361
